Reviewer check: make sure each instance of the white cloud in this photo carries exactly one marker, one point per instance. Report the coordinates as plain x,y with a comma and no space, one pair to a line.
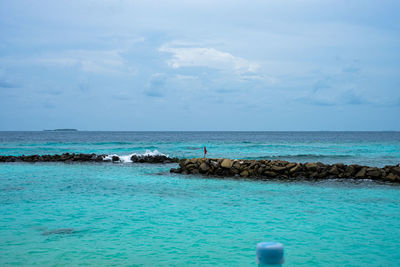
207,57
97,61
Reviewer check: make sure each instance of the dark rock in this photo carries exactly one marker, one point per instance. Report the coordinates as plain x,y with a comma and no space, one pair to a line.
278,168
361,173
244,173
311,166
296,168
190,166
392,177
334,170
270,174
290,165
283,169
204,167
395,170
173,170
340,166
350,171
374,173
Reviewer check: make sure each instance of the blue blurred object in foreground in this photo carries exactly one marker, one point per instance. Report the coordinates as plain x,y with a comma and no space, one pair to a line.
269,254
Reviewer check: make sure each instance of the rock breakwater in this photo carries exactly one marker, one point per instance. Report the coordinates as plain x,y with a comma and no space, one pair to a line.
81,157
267,169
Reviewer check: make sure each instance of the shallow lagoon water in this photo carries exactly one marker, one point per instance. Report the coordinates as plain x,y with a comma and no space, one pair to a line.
141,215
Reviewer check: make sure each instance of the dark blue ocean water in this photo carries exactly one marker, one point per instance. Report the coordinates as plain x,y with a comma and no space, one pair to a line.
141,215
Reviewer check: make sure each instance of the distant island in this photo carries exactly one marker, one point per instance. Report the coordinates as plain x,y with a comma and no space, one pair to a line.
61,130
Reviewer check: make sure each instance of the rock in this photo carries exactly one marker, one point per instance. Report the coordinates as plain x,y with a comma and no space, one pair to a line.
195,161
350,171
253,164
219,171
374,173
234,171
204,167
280,162
361,173
194,171
392,177
182,163
259,170
244,173
334,170
190,166
395,170
311,166
173,170
277,168
323,174
227,163
299,174
340,166
295,168
290,165
228,167
270,174
236,165
214,163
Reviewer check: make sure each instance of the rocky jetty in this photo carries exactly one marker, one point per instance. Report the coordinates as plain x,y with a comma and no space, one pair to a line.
267,169
81,157
153,159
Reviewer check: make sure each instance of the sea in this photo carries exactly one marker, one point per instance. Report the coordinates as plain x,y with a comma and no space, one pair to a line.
133,214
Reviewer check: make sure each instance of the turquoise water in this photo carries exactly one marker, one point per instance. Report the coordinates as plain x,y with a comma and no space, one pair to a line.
141,215
368,148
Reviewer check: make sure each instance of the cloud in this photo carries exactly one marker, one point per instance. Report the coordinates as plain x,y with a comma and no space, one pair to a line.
350,97
322,84
332,97
52,91
47,104
156,86
336,86
6,84
122,97
95,61
316,101
83,87
183,56
352,69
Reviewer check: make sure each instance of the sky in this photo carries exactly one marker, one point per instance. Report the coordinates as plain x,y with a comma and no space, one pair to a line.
200,65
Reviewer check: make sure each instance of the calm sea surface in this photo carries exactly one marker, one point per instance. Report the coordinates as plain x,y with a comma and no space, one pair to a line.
141,215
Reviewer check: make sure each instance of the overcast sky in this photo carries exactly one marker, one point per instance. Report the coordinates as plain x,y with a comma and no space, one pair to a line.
200,65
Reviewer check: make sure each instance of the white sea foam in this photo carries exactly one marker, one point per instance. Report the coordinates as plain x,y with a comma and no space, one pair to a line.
127,158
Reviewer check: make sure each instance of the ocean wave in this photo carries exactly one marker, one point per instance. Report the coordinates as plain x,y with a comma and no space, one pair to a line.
127,158
110,143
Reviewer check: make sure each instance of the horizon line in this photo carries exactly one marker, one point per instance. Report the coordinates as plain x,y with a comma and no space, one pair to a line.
77,130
